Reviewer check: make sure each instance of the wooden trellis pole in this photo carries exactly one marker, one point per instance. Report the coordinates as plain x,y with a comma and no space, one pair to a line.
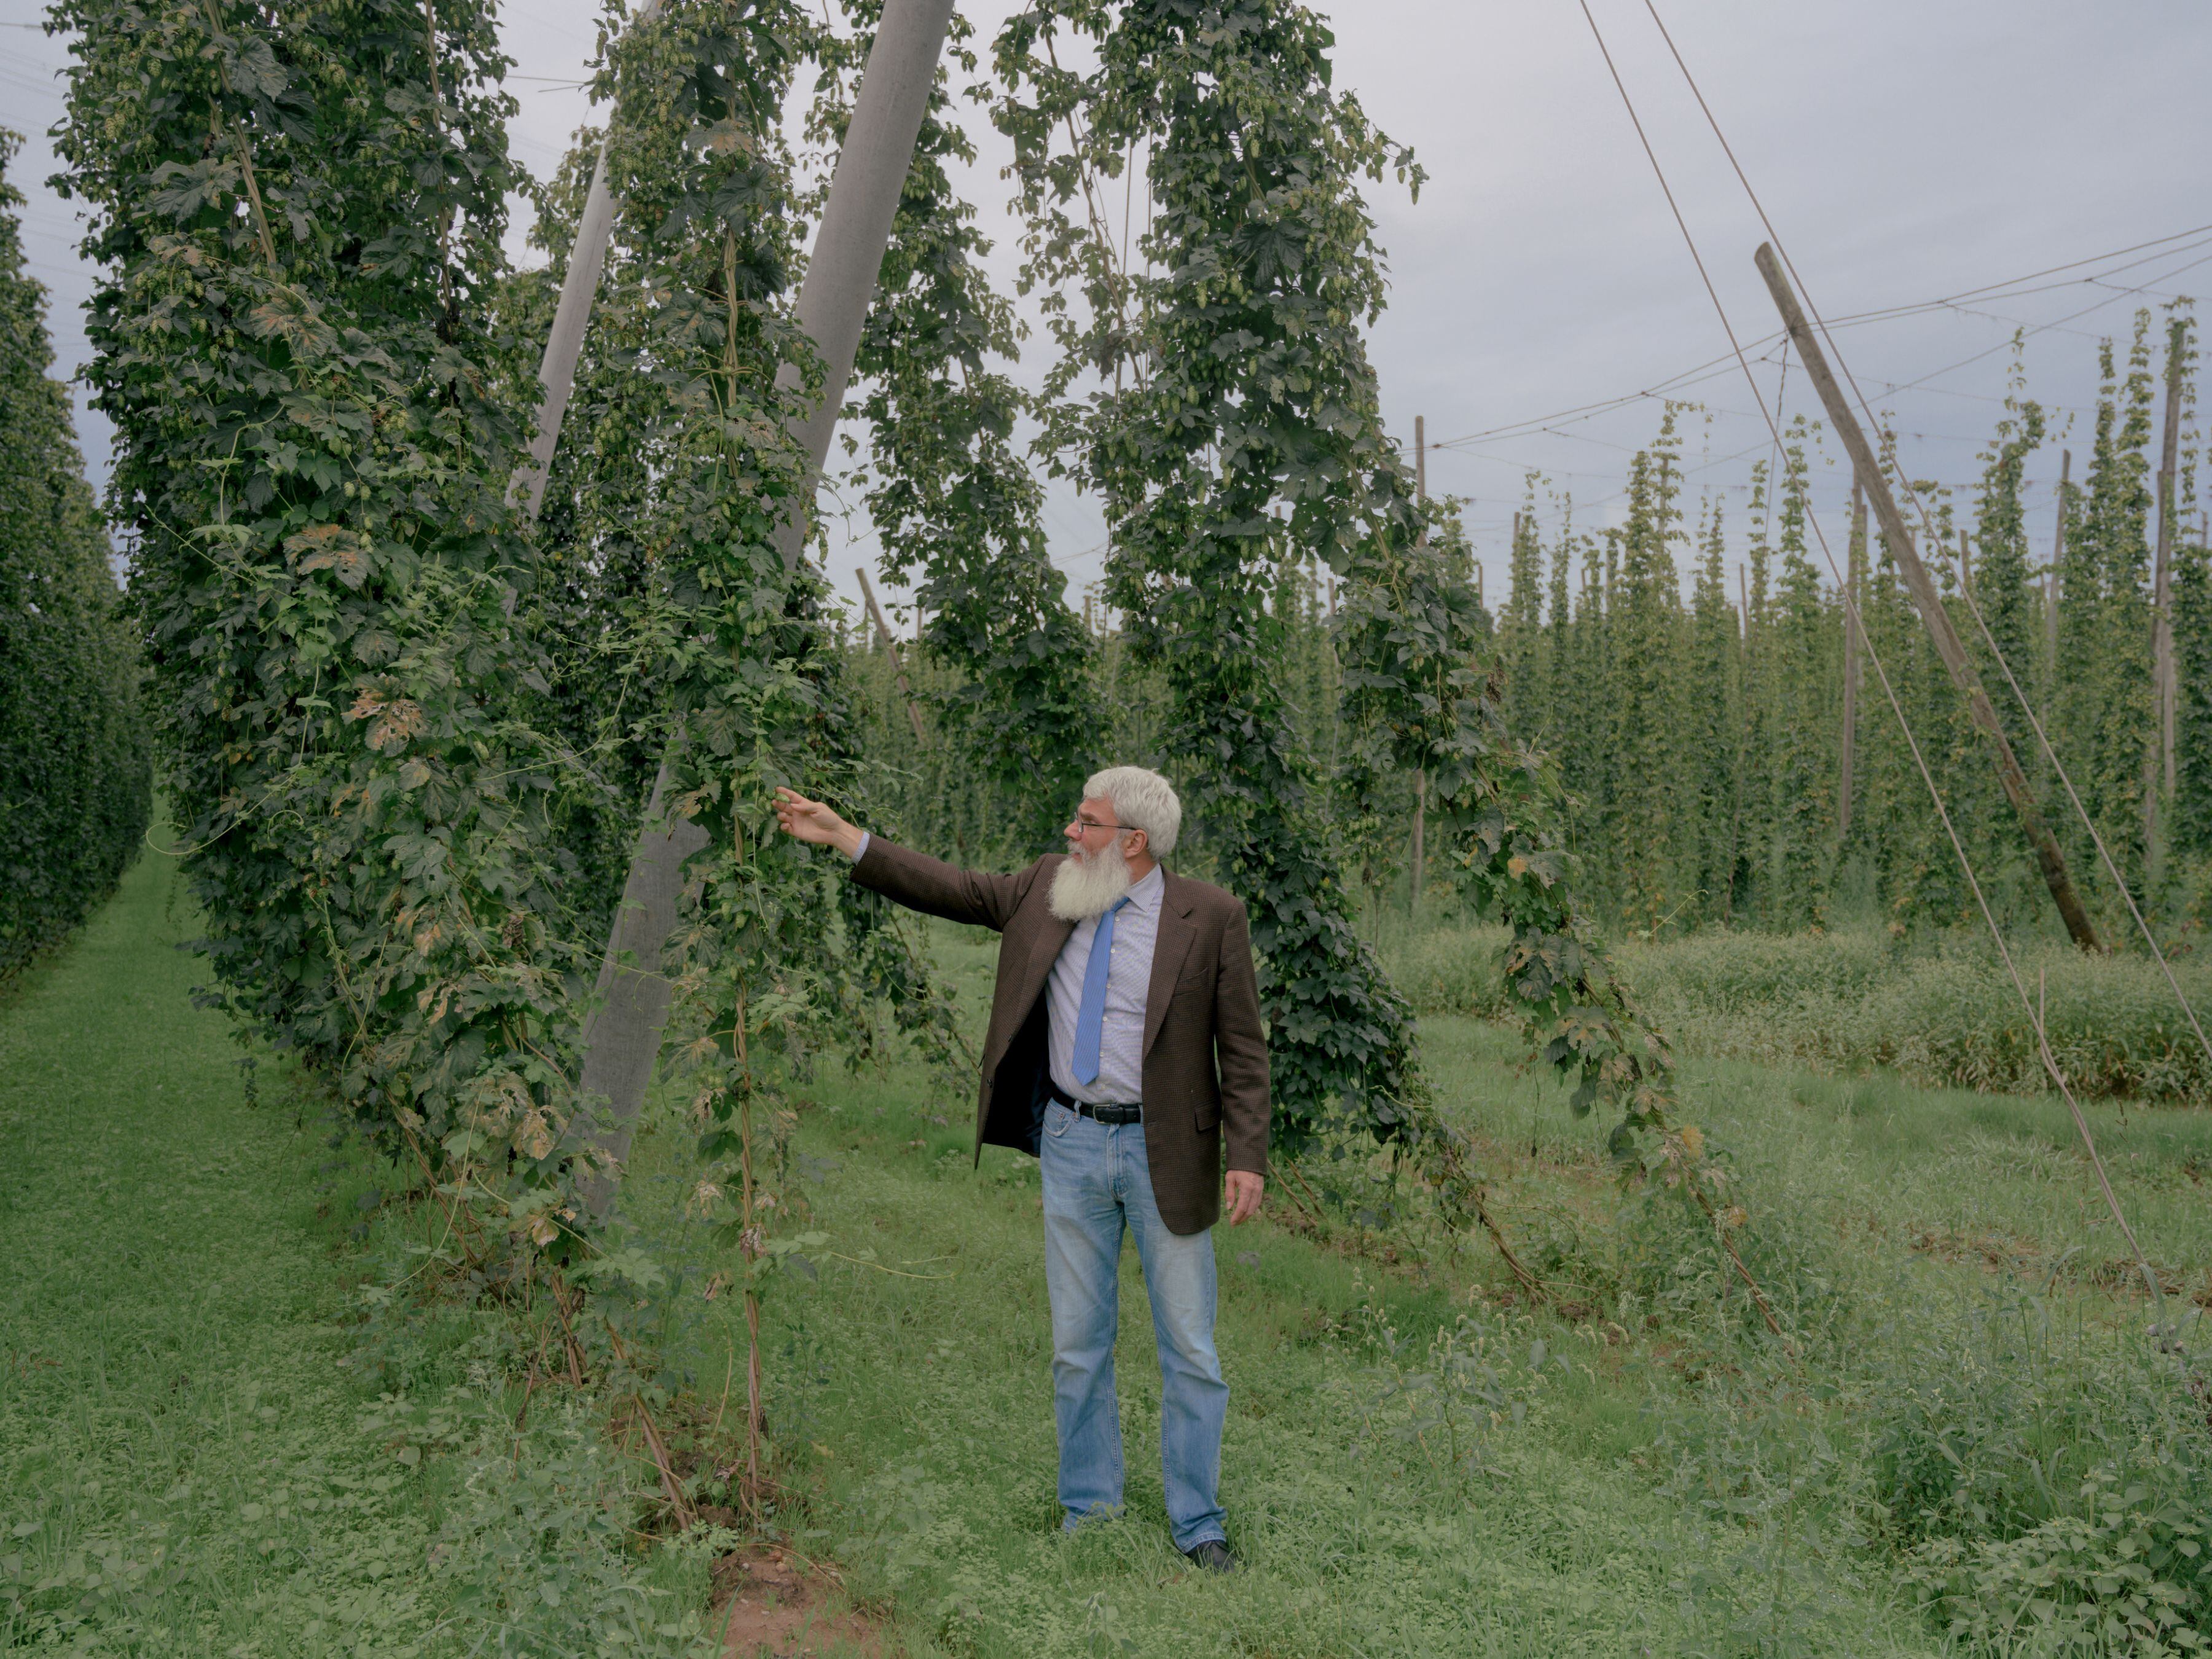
1419,855
1854,563
2048,857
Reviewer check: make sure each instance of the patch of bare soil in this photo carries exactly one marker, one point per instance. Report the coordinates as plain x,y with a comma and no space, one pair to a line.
773,1608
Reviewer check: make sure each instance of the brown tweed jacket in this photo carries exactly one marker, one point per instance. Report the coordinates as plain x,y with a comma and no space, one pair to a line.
1206,1055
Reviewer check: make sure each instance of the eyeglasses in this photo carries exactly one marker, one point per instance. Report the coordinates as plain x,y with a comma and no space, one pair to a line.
1088,824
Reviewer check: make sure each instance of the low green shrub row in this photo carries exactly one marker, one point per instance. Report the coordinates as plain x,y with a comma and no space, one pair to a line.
75,772
1945,1016
2038,1482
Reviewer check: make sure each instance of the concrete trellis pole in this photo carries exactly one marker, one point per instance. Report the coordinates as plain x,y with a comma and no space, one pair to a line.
556,374
856,222
557,371
622,1039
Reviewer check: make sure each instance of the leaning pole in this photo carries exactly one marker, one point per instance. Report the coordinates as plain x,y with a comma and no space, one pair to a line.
556,373
2048,857
621,1038
557,370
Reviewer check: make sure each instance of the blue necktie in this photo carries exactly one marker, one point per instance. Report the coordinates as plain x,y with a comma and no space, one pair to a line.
1091,1016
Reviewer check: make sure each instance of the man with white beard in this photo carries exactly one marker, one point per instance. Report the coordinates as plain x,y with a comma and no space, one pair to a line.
1125,1049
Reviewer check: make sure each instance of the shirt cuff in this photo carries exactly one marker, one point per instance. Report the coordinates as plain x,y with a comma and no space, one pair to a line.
861,851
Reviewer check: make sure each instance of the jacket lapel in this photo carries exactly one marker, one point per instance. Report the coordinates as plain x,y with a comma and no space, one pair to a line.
1052,936
1170,945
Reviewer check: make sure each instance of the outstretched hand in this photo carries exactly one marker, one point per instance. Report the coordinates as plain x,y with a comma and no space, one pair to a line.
810,820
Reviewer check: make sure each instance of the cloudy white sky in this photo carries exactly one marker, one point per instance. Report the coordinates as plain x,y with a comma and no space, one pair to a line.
1908,151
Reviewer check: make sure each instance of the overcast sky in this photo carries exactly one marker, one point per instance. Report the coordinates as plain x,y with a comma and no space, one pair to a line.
1909,152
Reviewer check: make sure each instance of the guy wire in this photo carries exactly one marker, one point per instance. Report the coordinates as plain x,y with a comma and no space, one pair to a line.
1943,813
1927,525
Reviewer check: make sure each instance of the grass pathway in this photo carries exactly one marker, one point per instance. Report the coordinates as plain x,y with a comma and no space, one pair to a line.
182,1470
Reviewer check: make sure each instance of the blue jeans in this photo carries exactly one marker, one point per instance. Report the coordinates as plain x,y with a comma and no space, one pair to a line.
1097,1182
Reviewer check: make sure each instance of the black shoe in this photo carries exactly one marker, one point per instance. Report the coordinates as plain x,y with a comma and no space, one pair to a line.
1212,1555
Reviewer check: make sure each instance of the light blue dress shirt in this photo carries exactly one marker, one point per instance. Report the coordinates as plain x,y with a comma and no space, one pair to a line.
1120,1080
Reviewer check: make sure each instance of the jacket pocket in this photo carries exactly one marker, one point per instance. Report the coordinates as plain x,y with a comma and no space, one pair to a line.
1207,1114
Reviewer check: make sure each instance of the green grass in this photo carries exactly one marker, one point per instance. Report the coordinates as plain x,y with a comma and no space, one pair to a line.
195,1460
911,1388
207,1445
2001,1179
182,1470
1678,1486
912,1384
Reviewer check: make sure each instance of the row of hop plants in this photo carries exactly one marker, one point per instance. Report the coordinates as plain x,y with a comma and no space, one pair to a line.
306,336
76,782
1701,713
402,730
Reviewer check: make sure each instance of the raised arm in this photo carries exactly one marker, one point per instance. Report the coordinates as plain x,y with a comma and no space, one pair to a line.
921,883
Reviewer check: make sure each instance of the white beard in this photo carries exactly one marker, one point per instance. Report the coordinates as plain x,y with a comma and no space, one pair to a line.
1087,885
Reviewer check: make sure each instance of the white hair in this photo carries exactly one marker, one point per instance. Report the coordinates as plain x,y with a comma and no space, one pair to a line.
1142,801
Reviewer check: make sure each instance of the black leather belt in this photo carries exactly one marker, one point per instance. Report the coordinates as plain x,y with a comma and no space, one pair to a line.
1110,1115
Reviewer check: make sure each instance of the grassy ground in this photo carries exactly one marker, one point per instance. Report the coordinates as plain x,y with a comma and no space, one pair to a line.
1517,1513
1938,1009
2000,1180
1663,1481
182,1465
912,1381
195,1460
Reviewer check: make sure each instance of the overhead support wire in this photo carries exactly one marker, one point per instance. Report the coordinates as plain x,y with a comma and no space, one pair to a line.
2164,1334
1715,368
2049,750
